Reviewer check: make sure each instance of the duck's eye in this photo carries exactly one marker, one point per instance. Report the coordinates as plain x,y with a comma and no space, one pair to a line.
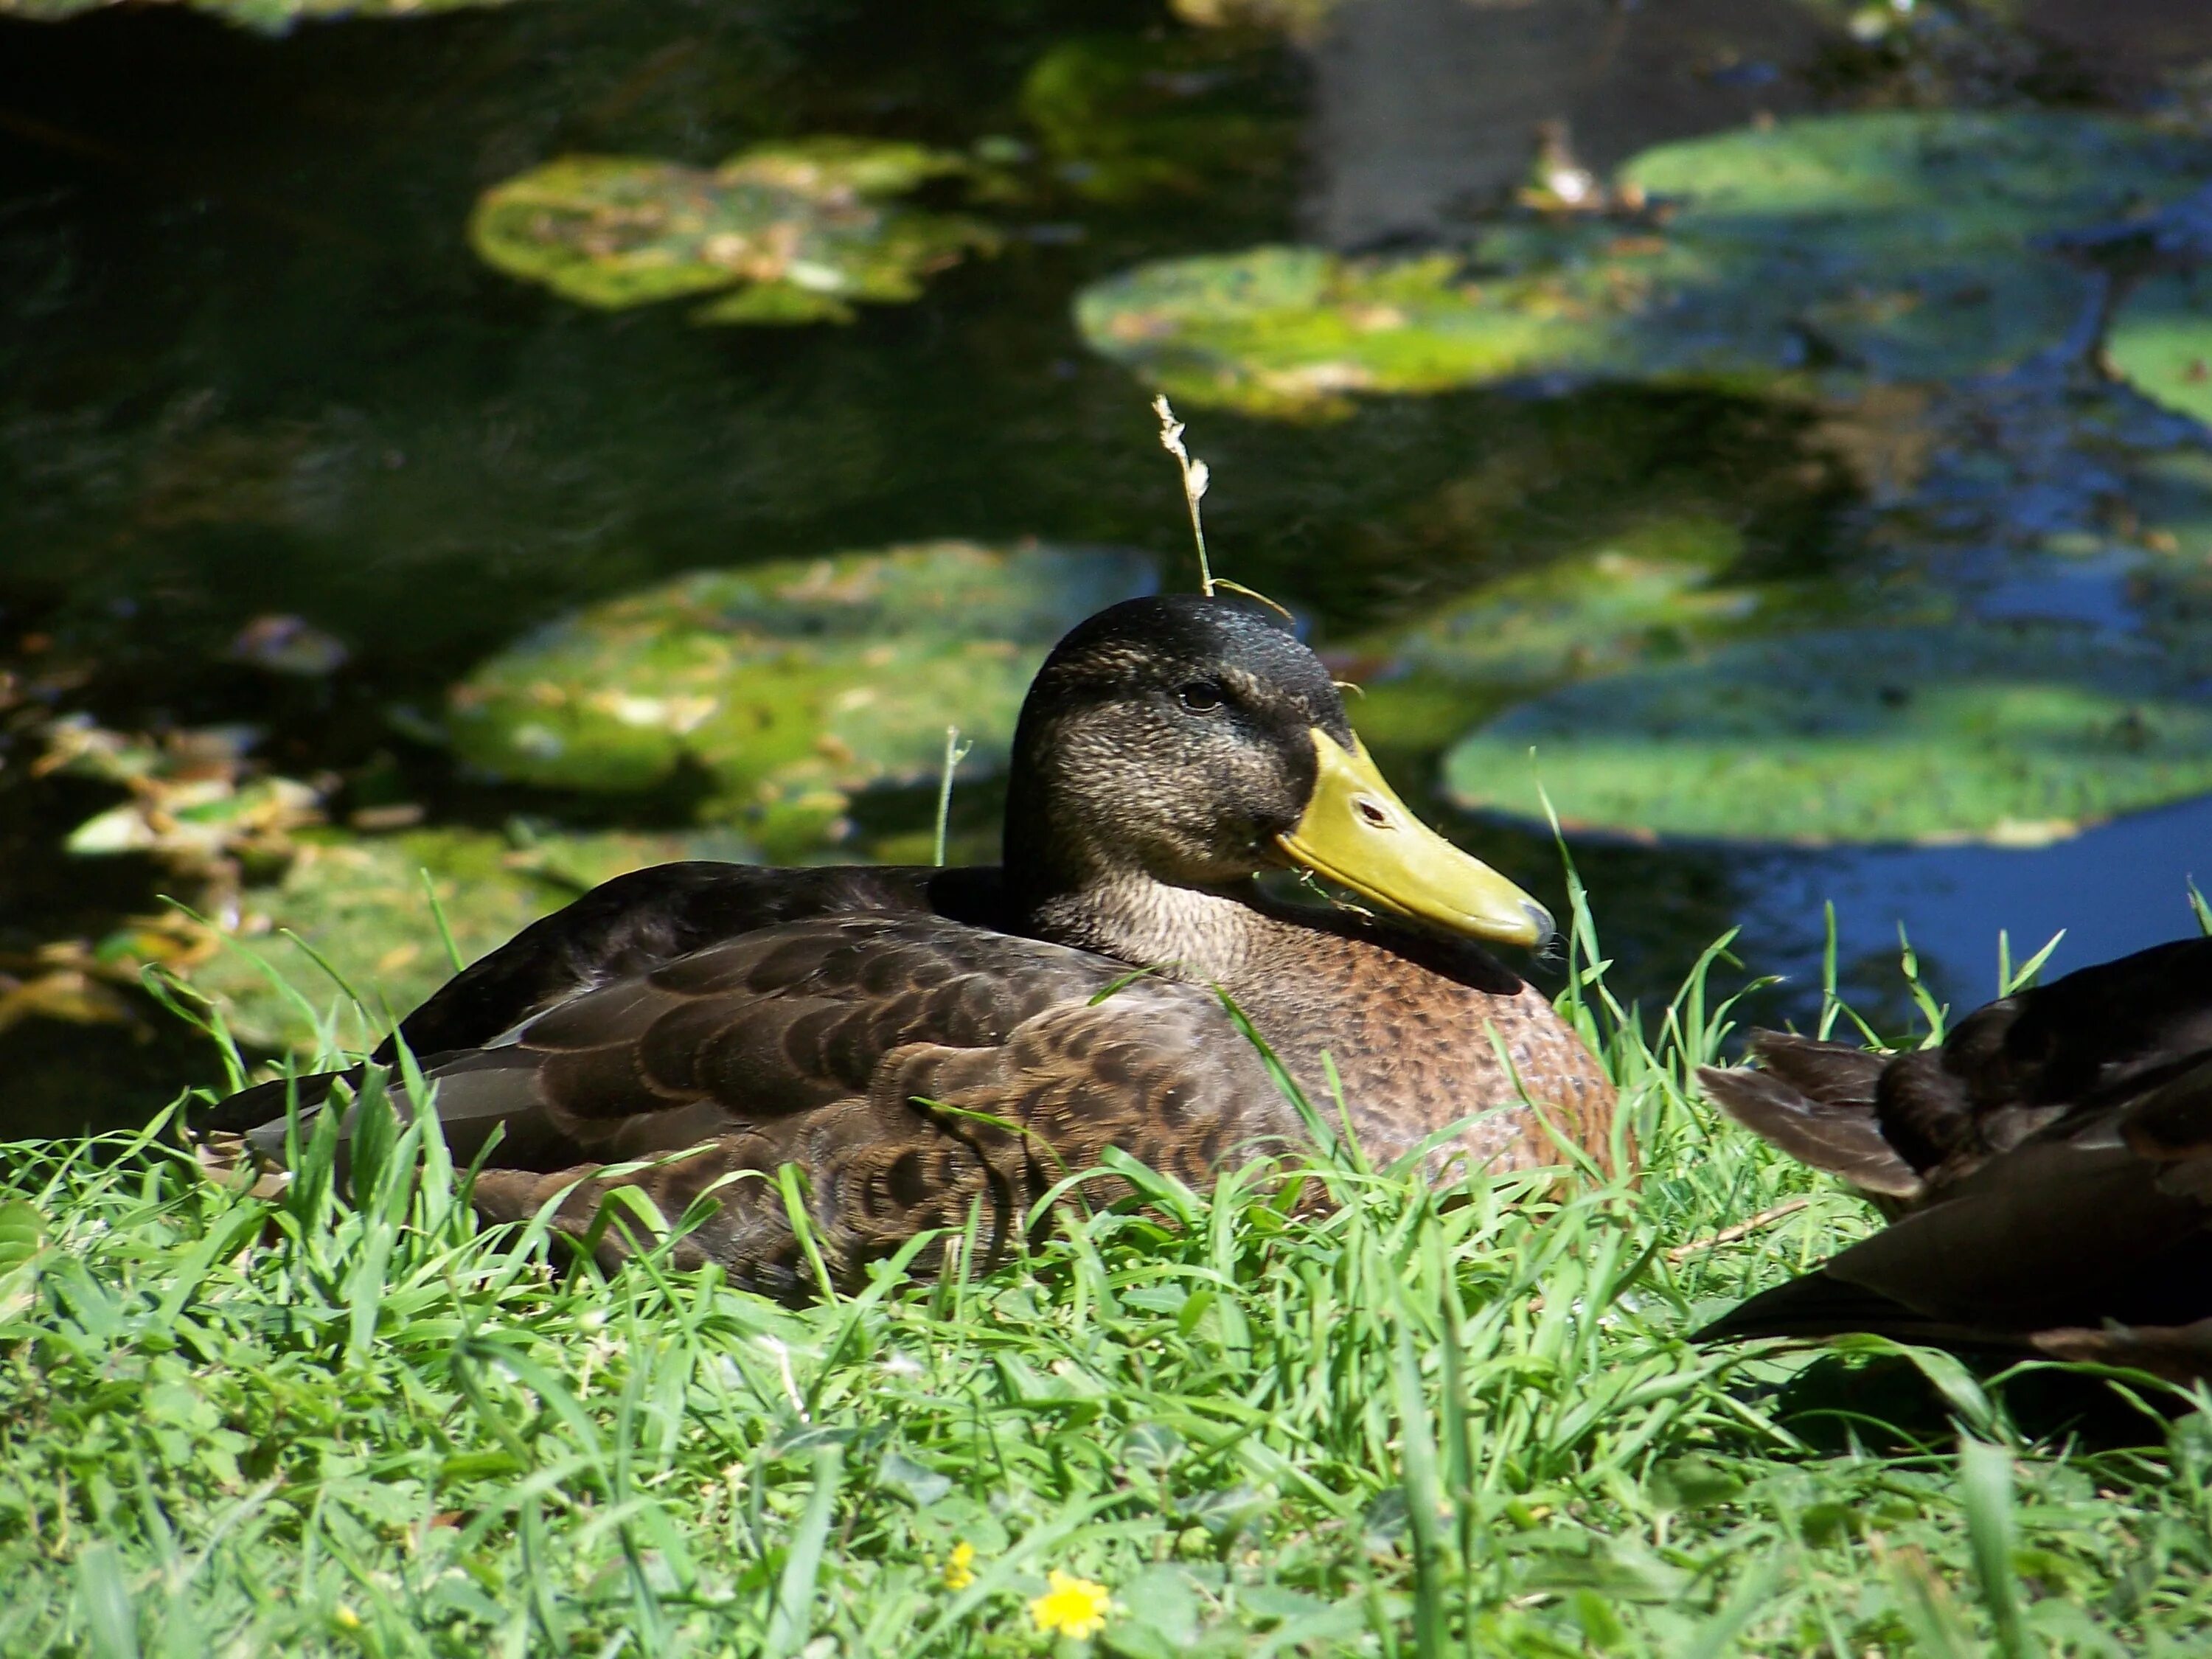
1199,697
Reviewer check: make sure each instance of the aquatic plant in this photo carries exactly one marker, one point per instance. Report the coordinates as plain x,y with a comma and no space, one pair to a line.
1880,246
265,16
1123,119
796,232
2013,733
2161,341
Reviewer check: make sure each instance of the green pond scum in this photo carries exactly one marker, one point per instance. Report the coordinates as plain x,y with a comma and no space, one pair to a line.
796,232
1887,245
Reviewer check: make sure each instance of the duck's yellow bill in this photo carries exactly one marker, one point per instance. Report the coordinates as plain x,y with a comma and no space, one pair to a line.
1356,833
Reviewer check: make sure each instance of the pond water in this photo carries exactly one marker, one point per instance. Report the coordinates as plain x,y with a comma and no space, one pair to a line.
277,446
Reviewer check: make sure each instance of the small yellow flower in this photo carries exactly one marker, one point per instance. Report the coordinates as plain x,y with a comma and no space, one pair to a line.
960,1571
345,1618
1073,1606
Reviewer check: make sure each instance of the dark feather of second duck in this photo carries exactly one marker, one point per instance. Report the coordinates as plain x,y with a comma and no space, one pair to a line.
925,1043
2048,1169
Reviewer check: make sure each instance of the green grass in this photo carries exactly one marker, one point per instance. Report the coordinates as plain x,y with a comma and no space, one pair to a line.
1429,1423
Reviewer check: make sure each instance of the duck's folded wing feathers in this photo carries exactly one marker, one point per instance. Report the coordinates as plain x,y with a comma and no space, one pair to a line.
652,917
910,1066
1815,1101
941,1131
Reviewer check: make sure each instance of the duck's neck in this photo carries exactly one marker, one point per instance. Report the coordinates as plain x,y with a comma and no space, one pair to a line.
1065,886
1209,936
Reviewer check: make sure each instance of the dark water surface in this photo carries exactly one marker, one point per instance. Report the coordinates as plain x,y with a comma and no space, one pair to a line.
249,365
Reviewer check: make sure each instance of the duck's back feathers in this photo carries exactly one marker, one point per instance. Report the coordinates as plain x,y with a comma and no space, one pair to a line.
1818,1304
650,917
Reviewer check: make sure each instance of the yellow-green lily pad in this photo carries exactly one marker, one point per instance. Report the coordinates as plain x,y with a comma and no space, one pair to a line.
790,685
1890,244
2008,734
266,17
2161,342
1659,592
795,232
361,904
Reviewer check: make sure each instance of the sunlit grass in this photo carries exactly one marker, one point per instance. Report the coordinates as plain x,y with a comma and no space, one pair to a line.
345,1420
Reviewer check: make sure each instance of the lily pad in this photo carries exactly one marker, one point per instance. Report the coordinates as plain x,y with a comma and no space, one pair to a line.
2161,342
790,685
1888,246
360,903
2008,734
1652,594
797,232
267,16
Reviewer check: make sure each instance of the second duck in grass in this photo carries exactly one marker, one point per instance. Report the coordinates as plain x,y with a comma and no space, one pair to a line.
924,1043
2049,1167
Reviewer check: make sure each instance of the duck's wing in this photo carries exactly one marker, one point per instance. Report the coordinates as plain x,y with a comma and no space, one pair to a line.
913,1068
2104,1216
620,929
1816,1101
1906,1127
638,921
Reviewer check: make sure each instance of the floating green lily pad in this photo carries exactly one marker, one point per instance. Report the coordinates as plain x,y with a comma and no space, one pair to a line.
1650,594
1891,244
360,903
792,685
2161,342
1657,592
797,232
2014,735
268,16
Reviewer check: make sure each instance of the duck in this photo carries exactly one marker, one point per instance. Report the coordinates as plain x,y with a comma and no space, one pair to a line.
934,1048
2045,1172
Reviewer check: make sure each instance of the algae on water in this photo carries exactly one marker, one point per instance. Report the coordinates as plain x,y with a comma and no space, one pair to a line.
787,686
2161,341
788,233
267,16
1885,246
2010,733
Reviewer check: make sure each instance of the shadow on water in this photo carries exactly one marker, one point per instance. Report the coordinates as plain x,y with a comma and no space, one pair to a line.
250,367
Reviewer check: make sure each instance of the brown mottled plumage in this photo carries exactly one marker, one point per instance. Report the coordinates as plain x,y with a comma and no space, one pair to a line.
921,1044
2050,1167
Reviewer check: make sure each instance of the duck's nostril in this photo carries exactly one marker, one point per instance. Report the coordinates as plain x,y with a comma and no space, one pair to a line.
1372,811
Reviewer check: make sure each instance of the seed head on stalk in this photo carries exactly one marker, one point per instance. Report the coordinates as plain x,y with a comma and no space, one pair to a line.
1195,479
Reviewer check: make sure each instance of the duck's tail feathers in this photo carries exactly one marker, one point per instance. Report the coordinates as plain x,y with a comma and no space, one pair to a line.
478,1092
267,1103
1816,1102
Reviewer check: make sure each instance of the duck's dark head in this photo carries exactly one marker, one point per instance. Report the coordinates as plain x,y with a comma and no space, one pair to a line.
1182,743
